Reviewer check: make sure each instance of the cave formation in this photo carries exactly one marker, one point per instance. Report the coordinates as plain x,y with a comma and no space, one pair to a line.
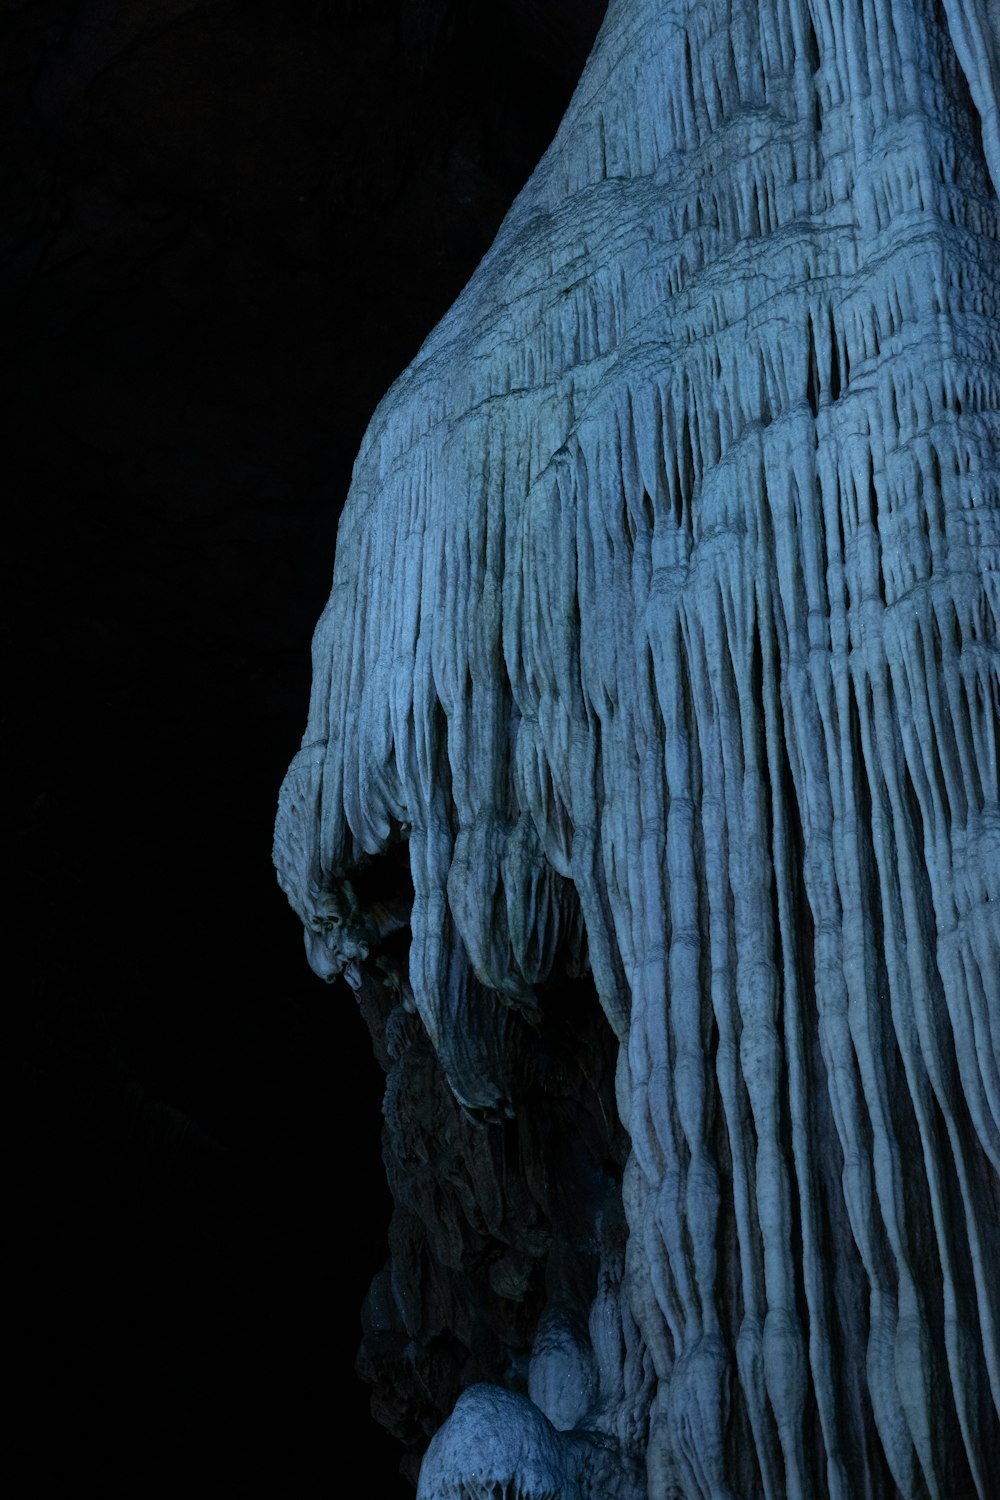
648,800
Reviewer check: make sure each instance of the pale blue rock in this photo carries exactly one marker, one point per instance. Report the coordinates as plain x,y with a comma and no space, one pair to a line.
664,630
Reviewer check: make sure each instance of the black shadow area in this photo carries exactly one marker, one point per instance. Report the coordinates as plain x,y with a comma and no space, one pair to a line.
226,227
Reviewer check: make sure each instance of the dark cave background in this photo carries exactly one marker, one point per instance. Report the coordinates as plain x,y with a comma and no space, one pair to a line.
226,228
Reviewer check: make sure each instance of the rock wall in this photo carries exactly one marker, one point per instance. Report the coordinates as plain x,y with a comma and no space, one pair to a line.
663,637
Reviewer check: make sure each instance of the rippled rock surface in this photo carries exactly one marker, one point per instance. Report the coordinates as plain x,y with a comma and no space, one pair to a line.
661,662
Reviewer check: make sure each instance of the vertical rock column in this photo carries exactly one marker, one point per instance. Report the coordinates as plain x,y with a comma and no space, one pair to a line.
666,598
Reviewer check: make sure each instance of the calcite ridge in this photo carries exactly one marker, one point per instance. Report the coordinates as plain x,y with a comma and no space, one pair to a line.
663,636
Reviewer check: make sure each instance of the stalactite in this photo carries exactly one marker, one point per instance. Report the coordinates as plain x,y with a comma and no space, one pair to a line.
664,633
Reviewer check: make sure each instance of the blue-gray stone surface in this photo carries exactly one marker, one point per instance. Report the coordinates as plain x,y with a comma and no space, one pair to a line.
663,639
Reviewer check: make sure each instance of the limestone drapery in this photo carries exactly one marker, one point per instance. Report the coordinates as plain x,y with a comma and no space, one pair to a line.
664,631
